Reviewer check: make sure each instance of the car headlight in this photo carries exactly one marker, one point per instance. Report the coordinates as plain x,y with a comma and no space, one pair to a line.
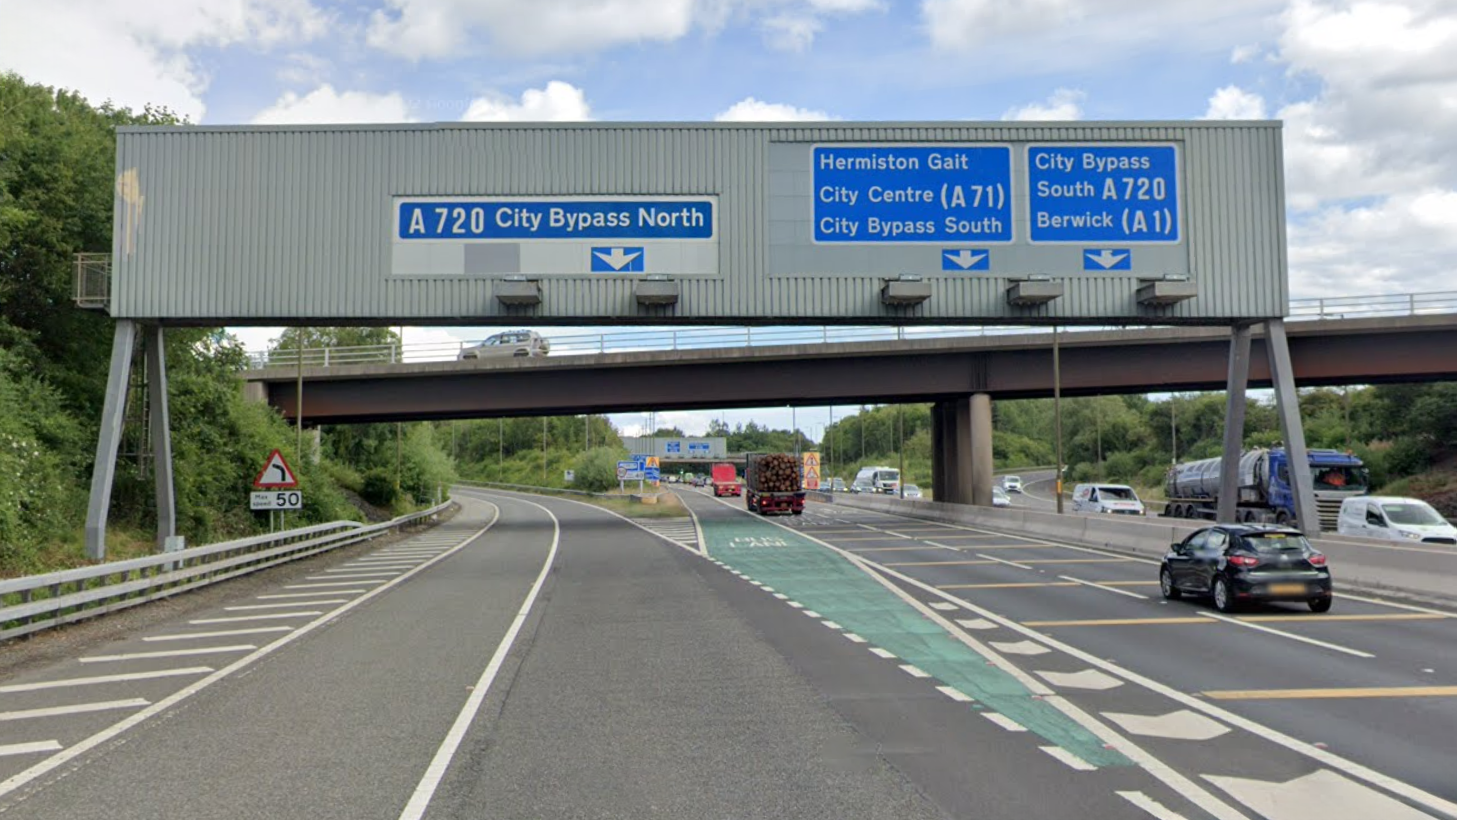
1415,536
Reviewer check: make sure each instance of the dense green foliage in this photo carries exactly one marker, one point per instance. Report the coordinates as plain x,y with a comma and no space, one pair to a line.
532,451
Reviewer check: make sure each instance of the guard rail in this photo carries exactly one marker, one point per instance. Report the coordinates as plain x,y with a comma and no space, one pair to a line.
38,602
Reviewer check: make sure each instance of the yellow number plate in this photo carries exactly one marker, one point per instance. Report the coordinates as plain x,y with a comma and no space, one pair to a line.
1287,589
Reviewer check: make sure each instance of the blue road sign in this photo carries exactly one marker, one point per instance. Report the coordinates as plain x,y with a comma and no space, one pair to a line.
673,447
630,464
698,447
1103,193
617,260
966,259
653,474
1107,259
487,219
912,193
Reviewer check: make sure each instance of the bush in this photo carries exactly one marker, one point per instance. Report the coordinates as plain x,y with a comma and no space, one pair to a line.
1407,456
596,469
343,475
379,488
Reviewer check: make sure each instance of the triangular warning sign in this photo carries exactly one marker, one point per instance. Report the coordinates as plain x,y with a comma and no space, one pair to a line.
276,474
811,459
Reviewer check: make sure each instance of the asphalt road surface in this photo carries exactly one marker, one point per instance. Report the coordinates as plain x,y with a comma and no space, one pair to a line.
540,658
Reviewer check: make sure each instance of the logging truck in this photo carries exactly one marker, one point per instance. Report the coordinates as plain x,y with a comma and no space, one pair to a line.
773,483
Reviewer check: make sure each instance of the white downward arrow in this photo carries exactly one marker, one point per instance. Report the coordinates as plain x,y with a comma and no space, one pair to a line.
617,258
1315,796
965,259
1107,258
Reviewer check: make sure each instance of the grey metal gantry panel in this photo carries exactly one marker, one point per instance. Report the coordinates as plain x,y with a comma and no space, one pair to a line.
305,224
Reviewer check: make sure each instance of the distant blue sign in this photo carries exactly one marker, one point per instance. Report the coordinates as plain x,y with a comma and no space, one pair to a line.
617,260
966,259
1107,259
653,474
695,447
1103,193
483,218
673,447
912,193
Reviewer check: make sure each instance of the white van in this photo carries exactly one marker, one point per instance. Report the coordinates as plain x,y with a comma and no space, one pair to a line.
1394,519
876,480
1107,498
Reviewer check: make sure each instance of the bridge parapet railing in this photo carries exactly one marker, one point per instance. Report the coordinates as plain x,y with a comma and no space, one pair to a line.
37,602
728,337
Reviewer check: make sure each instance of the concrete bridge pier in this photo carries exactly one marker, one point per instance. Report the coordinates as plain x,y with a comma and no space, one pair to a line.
961,450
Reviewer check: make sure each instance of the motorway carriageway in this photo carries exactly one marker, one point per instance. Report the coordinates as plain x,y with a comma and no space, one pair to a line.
538,657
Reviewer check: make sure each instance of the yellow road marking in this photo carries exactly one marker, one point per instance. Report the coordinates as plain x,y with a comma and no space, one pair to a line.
1302,694
940,563
872,538
1073,561
891,549
1120,622
1404,616
1008,586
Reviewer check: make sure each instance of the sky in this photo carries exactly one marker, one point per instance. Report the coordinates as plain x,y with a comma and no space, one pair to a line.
1367,90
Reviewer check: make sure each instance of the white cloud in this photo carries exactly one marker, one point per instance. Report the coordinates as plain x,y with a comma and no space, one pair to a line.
1234,103
1243,54
325,105
956,23
791,32
440,28
1064,104
558,102
139,53
752,110
1403,244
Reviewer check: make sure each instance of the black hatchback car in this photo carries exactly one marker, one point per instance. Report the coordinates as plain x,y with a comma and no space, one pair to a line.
1243,563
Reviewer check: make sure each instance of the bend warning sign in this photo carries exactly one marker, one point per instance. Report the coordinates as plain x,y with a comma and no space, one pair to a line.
276,474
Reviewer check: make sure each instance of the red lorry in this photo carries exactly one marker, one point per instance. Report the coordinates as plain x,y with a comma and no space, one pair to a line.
775,483
725,480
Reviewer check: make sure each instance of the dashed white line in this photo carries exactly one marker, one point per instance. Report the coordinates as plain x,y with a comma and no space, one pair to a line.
170,653
914,671
224,633
1104,588
74,709
249,607
1072,760
29,748
1004,721
853,638
326,586
811,613
283,595
832,624
1002,561
390,574
795,604
781,596
1292,636
1153,807
271,616
129,676
883,653
954,693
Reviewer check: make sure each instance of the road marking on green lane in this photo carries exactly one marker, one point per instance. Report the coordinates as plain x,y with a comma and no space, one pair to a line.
829,584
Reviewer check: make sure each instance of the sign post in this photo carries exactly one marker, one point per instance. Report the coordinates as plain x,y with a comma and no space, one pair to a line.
279,484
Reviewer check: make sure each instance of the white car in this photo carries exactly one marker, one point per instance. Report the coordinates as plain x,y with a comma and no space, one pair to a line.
912,491
1394,519
1000,498
1012,483
511,344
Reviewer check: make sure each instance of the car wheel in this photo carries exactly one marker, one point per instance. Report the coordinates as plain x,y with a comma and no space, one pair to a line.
1223,596
1320,604
1166,585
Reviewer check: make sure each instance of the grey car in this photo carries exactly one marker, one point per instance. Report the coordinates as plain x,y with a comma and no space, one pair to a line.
510,344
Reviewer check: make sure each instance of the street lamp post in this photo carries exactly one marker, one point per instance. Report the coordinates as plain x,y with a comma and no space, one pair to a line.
1057,414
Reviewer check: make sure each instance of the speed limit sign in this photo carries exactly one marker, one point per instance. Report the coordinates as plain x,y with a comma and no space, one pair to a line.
277,500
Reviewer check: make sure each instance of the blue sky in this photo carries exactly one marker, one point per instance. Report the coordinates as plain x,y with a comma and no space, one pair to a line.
1367,90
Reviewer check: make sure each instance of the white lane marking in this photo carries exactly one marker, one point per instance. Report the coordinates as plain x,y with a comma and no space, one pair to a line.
1004,721
249,607
768,588
73,709
1346,596
811,613
1316,795
285,595
853,638
223,633
943,546
1190,790
1003,561
832,625
1153,807
1072,760
1178,725
975,623
435,772
390,574
99,679
168,653
340,584
944,606
1105,589
954,693
77,749
1086,679
1186,787
357,568
271,616
914,671
883,653
1291,635
29,748
795,604
781,596
1019,647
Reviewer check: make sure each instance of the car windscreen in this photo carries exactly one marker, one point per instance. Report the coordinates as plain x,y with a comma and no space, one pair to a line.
1117,494
1352,479
1275,542
1417,515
